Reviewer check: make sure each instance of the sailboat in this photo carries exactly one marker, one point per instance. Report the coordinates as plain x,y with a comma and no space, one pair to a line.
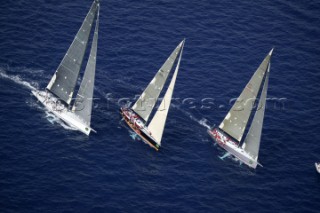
230,132
59,93
317,167
138,116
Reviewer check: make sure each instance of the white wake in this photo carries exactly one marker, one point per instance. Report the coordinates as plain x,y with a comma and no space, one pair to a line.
202,121
34,104
17,79
54,119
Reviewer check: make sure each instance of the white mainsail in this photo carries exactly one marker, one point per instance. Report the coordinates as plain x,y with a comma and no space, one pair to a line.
64,80
158,121
237,118
146,102
83,104
251,143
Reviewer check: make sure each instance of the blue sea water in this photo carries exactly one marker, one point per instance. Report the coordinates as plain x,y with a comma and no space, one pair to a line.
47,167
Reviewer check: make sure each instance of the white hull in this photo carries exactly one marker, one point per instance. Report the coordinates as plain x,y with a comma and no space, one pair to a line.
233,148
317,167
60,110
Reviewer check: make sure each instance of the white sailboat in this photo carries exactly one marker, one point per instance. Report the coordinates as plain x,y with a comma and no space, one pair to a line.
232,128
317,167
59,93
138,115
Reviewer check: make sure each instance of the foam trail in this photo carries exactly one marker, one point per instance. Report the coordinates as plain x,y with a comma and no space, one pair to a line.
227,154
133,135
50,117
236,159
53,119
17,79
202,121
32,103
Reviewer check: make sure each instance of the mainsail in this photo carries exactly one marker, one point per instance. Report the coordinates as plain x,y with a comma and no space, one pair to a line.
157,123
252,141
64,80
236,120
83,104
144,105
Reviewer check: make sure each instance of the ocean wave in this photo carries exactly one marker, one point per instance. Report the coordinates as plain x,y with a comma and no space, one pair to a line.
202,121
17,79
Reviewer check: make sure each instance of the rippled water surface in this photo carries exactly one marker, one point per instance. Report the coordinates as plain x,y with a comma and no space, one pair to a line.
47,167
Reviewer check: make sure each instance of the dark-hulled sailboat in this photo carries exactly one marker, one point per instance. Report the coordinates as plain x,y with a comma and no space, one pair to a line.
232,128
58,96
137,117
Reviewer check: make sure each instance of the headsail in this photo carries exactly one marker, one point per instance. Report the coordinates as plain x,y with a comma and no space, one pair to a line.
83,104
237,118
64,80
149,97
158,122
252,141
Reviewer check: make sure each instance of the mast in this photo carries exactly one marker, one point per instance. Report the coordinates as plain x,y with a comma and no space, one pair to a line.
64,80
158,121
146,102
251,143
237,118
83,104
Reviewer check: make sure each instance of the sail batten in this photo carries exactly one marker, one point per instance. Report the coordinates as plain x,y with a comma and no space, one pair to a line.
251,143
146,102
237,118
158,121
83,104
64,80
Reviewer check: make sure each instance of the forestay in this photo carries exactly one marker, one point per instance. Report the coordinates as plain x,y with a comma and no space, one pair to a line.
157,123
252,141
83,104
64,80
146,102
236,120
